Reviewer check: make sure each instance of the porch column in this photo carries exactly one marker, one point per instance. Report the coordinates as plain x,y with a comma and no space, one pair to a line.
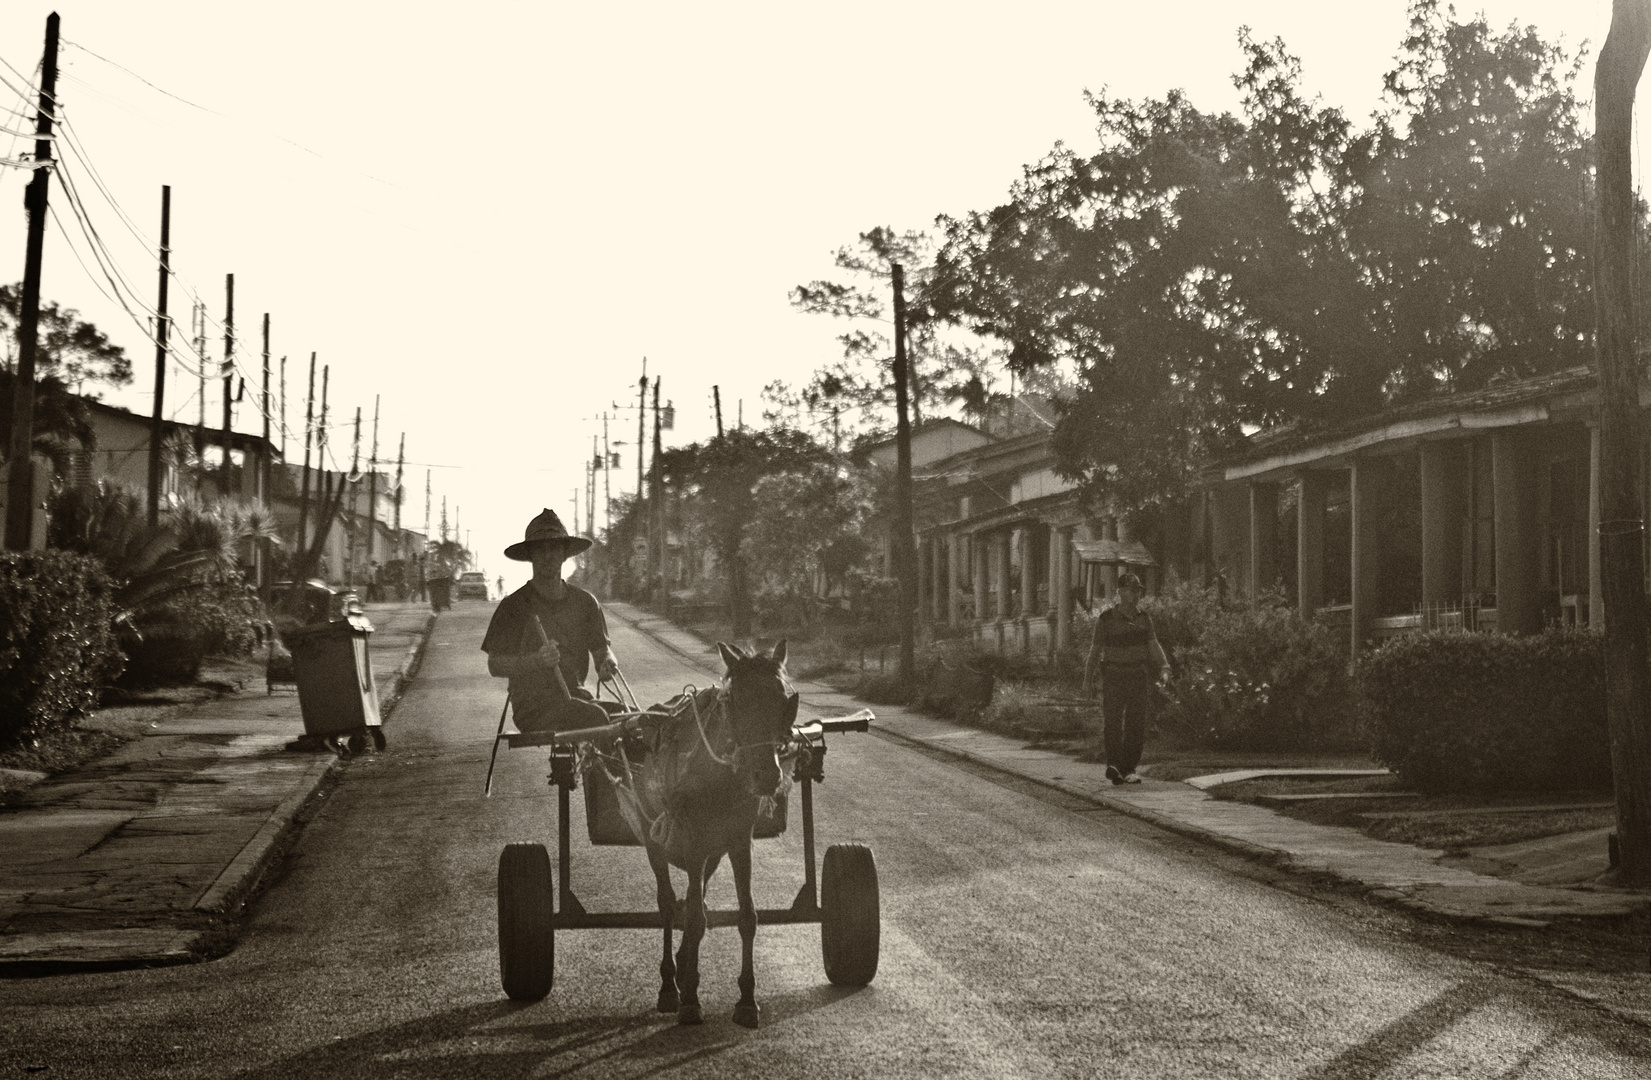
920,554
1263,536
1000,573
954,569
1442,510
936,580
1518,547
1060,572
1363,479
1028,571
1109,574
1310,544
1230,510
977,551
1596,584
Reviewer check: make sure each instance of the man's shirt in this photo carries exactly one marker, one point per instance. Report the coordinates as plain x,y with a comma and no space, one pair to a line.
575,623
1122,642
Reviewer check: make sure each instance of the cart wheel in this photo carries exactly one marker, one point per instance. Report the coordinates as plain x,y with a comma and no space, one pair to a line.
850,923
527,937
378,737
357,743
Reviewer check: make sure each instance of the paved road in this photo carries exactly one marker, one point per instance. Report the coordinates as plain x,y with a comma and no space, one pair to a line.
1021,937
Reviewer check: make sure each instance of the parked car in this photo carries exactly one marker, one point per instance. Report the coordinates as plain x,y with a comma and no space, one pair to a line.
472,585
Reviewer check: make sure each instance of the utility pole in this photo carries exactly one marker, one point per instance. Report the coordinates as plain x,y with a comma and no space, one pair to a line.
657,498
716,394
641,425
20,493
904,552
157,416
1622,525
372,486
427,506
229,376
401,461
283,410
607,483
575,511
266,456
354,480
304,492
198,327
265,410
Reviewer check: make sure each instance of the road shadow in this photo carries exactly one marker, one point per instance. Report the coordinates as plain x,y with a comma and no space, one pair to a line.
502,1040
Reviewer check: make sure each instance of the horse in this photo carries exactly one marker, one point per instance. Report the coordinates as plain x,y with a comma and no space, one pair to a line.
701,788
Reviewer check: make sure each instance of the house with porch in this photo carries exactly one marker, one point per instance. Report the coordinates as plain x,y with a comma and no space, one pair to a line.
1474,510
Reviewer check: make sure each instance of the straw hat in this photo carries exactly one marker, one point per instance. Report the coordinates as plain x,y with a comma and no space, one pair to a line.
547,526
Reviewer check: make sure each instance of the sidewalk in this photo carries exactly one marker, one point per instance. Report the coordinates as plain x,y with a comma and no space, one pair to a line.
1412,877
136,857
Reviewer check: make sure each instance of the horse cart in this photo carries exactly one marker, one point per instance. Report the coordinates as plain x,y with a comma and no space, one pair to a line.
611,763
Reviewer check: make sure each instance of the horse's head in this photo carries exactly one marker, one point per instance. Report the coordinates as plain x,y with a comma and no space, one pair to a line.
761,711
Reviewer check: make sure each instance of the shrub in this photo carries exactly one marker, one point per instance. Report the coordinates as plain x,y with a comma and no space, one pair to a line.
214,619
1253,674
57,641
1450,711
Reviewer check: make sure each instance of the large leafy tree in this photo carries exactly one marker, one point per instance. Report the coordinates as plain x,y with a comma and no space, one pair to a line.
1209,273
717,483
811,521
941,370
70,352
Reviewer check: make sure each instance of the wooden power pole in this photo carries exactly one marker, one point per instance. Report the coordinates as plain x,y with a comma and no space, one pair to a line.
157,416
304,490
1622,524
228,378
20,493
372,487
905,570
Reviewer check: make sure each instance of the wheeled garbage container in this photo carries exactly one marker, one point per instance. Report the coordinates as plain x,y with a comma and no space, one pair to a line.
335,682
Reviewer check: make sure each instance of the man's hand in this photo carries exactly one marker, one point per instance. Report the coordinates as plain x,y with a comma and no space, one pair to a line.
548,655
607,666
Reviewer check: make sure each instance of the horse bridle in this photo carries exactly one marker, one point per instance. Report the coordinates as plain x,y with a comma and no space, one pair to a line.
732,763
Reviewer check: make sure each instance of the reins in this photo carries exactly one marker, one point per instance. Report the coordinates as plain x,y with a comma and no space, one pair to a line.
699,723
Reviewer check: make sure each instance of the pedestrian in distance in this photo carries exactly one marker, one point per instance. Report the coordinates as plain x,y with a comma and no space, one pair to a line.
545,636
1124,660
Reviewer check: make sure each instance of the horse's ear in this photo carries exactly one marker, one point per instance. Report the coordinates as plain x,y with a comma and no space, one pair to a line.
779,654
730,653
791,704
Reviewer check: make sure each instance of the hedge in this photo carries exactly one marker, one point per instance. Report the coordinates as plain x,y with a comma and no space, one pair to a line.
1459,712
57,641
1252,674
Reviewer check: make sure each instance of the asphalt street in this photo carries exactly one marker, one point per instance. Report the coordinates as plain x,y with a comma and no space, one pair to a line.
1022,935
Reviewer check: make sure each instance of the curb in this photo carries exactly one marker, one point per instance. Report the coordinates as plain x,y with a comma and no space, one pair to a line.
407,670
240,877
244,869
1255,852
1275,858
28,954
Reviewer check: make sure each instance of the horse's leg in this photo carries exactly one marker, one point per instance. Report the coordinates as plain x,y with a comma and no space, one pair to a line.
667,911
687,957
746,1013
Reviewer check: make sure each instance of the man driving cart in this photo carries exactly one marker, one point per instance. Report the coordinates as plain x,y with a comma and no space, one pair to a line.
545,635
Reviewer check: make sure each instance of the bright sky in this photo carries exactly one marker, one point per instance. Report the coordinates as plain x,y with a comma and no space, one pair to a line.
488,214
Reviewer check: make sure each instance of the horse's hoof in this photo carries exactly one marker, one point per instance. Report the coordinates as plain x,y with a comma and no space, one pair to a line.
667,1001
748,1015
689,1014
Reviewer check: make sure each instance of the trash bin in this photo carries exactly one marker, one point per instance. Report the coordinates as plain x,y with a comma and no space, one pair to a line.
335,681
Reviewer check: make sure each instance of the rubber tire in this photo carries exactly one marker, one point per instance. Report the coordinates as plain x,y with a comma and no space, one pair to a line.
527,934
850,915
357,744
